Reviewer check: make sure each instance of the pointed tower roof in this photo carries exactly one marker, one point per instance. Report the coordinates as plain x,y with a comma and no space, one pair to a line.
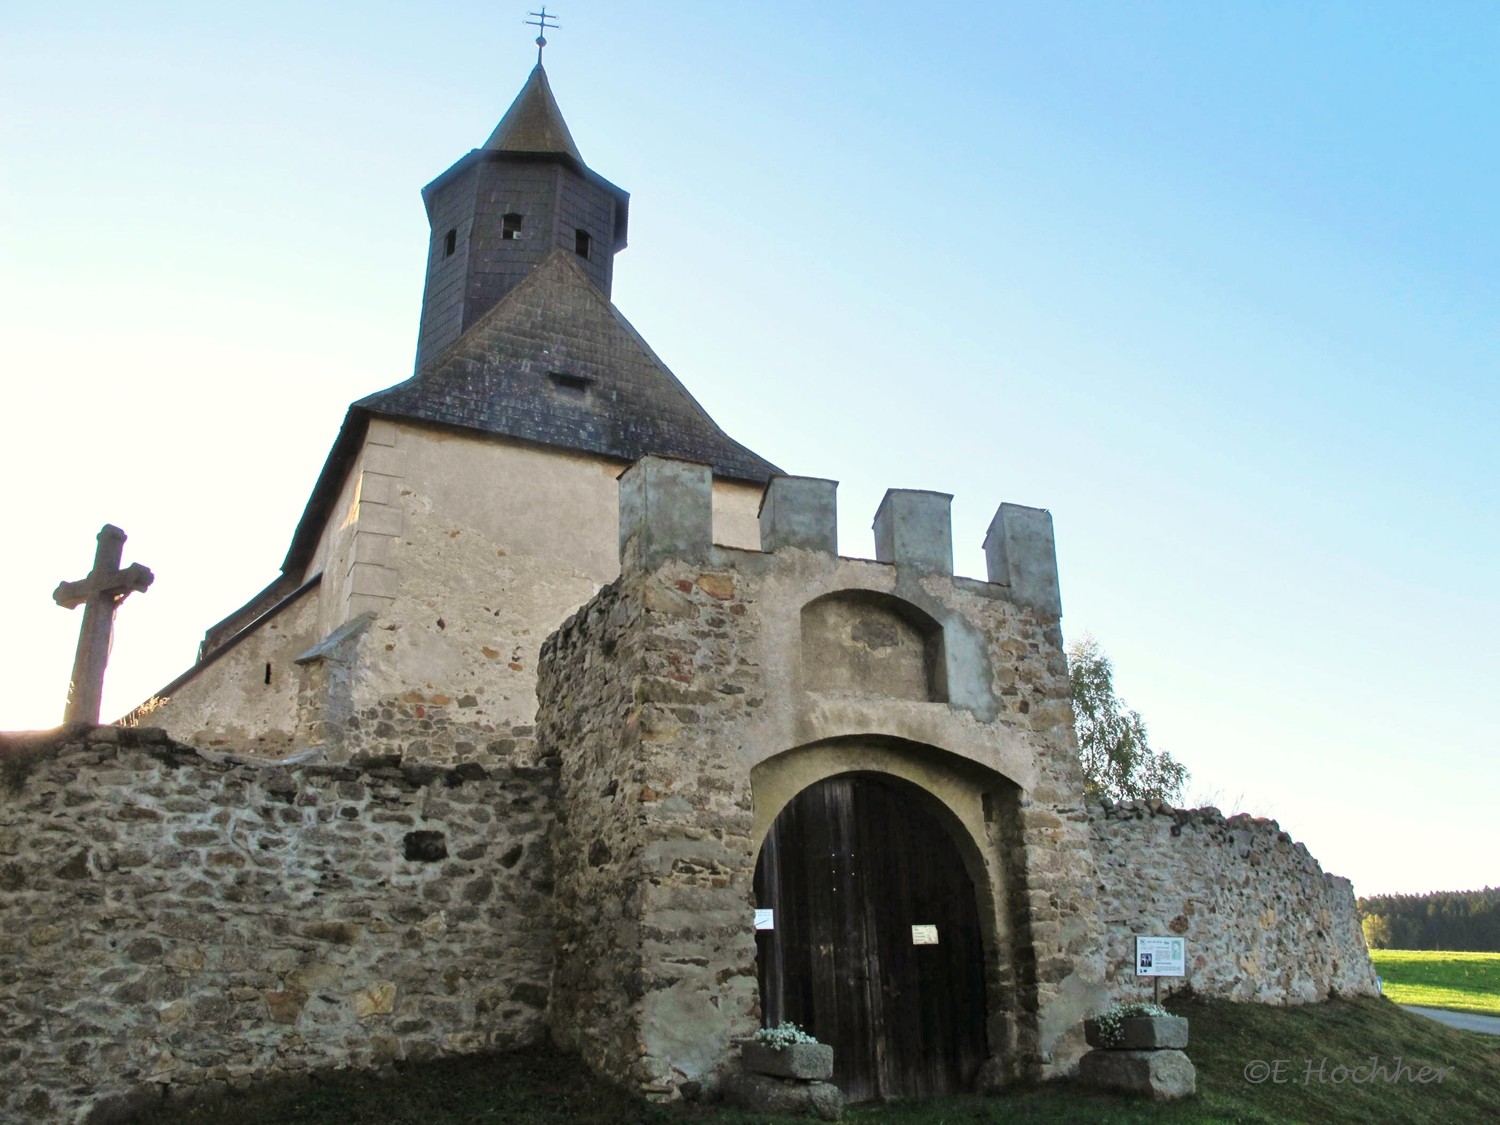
533,123
533,130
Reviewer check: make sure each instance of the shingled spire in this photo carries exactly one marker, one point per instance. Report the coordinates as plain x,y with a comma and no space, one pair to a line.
533,123
498,212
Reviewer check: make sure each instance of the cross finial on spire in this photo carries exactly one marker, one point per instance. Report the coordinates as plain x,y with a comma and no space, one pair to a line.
542,26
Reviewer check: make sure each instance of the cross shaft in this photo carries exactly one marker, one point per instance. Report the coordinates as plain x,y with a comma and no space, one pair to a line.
106,586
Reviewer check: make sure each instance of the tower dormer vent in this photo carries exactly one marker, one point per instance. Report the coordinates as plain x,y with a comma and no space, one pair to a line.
568,385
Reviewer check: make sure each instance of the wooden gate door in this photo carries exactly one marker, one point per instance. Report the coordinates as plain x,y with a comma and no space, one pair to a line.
850,866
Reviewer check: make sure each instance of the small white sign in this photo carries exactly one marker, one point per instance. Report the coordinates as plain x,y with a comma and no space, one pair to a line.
1160,956
765,919
924,935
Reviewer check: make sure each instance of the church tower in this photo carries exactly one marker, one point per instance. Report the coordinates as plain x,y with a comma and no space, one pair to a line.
465,512
501,209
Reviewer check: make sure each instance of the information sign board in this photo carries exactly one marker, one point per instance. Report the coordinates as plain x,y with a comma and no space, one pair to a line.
1160,956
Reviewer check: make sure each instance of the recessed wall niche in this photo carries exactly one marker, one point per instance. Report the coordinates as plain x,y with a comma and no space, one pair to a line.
865,643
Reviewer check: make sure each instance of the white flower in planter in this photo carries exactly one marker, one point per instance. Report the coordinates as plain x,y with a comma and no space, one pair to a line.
1111,1021
783,1035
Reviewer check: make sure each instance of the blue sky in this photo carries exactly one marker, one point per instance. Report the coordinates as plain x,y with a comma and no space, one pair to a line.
1216,284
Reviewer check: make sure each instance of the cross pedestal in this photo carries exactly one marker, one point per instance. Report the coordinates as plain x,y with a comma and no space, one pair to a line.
105,588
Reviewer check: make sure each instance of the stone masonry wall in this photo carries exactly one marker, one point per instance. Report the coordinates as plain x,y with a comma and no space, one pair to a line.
655,699
1263,922
174,921
596,842
656,959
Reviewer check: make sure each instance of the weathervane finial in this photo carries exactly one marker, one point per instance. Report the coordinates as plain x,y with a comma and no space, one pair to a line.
542,26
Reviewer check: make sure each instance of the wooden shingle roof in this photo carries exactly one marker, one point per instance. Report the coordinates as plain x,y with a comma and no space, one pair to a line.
534,124
555,363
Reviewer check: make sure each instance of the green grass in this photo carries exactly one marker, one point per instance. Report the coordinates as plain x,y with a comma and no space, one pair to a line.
543,1087
1465,982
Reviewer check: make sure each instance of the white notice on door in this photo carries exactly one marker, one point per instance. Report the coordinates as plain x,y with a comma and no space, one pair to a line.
765,919
924,935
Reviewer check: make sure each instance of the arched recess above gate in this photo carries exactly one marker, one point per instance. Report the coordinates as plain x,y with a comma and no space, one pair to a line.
864,642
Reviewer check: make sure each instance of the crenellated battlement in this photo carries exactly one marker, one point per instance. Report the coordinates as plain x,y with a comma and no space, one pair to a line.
666,512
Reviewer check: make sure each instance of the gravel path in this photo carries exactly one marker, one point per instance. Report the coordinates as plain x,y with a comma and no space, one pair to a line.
1464,1021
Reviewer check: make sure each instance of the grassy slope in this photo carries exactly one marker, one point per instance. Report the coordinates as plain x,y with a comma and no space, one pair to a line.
540,1087
1468,982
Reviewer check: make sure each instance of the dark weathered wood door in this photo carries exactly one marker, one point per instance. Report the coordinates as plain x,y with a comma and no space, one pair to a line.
848,868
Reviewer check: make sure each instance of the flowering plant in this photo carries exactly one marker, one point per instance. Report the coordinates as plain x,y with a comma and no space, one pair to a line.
783,1036
1111,1021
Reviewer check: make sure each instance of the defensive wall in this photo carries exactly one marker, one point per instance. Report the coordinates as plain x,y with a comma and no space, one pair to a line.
177,921
1263,923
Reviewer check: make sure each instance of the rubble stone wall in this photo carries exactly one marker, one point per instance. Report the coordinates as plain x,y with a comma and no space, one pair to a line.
174,921
655,863
1263,923
597,981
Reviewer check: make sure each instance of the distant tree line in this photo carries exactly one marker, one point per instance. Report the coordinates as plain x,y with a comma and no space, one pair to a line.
1467,921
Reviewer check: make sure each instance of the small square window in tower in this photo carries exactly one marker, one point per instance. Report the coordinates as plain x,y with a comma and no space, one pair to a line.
582,243
510,225
450,243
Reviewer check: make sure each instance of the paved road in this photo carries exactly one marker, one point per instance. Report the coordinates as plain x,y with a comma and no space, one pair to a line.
1465,1021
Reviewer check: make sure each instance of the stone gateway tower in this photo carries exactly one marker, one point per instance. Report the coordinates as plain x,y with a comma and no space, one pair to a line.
876,752
565,718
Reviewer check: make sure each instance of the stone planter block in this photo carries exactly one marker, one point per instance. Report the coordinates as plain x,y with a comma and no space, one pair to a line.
1162,1075
810,1062
1141,1033
765,1094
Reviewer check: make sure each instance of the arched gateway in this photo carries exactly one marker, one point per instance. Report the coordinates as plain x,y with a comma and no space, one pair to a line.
873,940
877,752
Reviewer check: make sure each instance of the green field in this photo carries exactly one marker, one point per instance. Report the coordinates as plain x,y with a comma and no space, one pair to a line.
1236,1048
1465,982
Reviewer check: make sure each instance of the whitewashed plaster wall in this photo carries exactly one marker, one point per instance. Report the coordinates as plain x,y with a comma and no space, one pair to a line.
247,696
467,551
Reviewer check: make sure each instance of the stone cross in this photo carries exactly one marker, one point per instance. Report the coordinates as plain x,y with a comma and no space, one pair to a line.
104,589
